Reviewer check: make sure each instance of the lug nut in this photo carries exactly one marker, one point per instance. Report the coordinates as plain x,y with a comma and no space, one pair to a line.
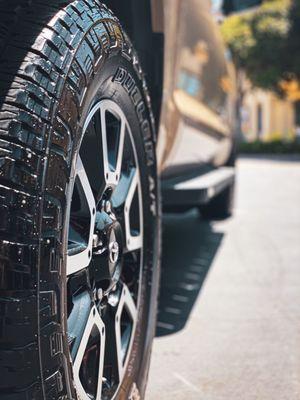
95,240
113,299
99,294
108,207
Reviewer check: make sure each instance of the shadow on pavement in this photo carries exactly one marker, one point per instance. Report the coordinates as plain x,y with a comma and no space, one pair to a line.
189,247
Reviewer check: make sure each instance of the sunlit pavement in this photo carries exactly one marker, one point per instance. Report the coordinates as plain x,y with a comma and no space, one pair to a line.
229,320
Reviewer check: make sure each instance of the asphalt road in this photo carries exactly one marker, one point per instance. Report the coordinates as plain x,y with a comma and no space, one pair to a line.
229,320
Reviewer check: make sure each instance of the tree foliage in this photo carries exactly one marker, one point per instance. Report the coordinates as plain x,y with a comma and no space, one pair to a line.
266,43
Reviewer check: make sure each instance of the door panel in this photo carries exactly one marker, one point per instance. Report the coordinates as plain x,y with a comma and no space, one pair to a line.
197,120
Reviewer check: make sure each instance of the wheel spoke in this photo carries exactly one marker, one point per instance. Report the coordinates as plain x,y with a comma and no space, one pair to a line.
91,152
113,134
134,238
77,321
125,322
90,358
79,255
105,250
120,148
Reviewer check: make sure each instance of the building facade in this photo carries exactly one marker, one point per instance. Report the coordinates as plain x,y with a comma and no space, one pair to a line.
266,117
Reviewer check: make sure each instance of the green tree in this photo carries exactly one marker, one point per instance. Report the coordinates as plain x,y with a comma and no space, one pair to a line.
265,43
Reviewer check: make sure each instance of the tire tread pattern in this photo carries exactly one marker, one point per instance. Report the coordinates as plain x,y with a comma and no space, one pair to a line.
45,49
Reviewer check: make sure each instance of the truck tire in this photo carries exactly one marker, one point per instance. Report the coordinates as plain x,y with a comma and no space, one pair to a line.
79,205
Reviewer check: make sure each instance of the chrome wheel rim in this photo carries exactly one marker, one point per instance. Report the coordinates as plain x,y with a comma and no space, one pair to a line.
105,253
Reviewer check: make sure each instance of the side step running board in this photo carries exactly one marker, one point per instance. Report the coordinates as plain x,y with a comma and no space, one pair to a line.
199,190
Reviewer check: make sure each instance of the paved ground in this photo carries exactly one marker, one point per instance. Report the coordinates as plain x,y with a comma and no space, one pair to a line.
229,321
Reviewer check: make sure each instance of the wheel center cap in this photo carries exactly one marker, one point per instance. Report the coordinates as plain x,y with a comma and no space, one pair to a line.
108,245
114,251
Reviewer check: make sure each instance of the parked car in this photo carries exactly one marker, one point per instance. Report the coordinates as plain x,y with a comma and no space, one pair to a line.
81,151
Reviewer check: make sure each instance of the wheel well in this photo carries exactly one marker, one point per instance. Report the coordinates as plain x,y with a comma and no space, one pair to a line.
135,17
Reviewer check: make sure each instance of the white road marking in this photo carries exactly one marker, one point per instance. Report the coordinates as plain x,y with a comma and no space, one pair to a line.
187,383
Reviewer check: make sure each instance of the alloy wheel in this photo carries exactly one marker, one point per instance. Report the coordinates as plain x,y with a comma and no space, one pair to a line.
105,253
